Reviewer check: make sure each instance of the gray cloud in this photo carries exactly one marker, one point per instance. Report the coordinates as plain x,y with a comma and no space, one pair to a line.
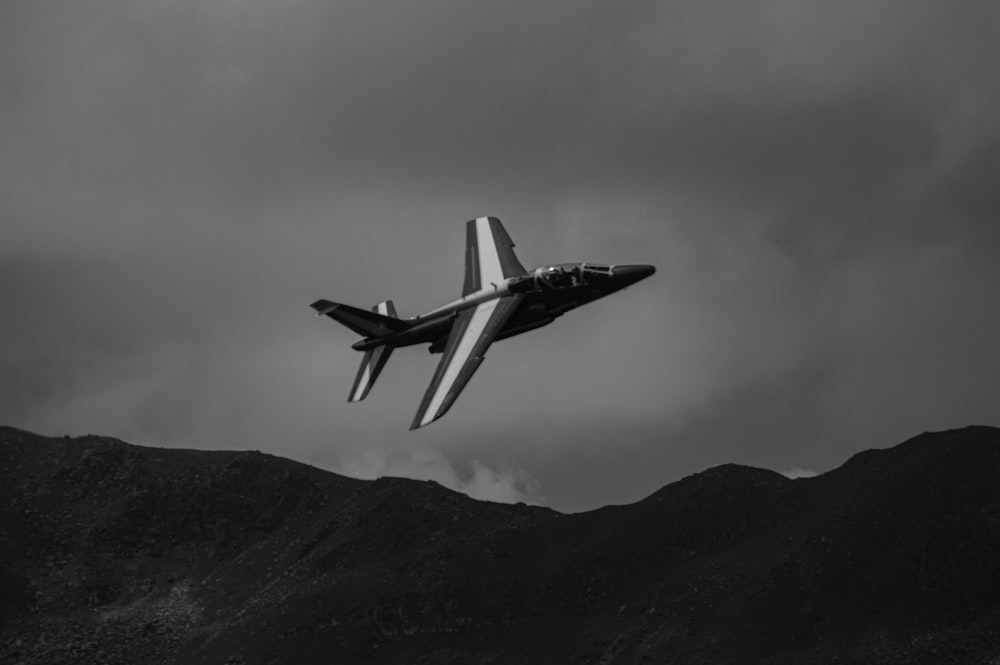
798,472
814,182
497,482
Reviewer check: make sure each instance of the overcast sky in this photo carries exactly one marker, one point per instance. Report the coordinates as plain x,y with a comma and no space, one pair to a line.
816,182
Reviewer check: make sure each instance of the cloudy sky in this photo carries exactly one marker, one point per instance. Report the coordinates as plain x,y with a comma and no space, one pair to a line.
815,181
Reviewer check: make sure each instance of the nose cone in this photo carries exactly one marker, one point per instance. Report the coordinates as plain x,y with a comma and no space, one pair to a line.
627,275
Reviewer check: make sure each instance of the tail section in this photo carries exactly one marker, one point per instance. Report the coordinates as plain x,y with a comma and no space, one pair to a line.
379,322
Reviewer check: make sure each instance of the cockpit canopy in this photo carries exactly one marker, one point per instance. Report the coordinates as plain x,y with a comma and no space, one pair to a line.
595,270
561,276
569,275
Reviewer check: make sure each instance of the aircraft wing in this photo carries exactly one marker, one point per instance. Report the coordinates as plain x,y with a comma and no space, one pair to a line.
489,255
472,333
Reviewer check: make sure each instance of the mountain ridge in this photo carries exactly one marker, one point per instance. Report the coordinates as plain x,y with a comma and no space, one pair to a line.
111,552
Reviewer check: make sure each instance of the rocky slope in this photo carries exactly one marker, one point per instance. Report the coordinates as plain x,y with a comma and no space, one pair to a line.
114,553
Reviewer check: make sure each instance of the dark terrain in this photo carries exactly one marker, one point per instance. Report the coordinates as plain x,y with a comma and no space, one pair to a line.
114,553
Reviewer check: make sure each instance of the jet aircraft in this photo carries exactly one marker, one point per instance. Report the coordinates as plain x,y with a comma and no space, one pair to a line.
500,299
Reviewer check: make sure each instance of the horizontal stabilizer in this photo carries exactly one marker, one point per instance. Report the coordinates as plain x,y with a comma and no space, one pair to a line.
363,322
374,359
371,367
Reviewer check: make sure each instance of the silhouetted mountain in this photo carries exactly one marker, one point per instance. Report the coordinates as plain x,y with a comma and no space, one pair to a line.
114,553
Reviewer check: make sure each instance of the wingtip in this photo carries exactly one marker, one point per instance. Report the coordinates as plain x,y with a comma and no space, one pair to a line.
420,421
323,307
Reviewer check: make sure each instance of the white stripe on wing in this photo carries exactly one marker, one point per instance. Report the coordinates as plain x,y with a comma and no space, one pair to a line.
365,376
490,270
480,318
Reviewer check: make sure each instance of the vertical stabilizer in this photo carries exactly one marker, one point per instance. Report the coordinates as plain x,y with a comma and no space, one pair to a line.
374,359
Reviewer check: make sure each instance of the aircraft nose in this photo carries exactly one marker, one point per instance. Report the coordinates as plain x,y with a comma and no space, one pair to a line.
628,275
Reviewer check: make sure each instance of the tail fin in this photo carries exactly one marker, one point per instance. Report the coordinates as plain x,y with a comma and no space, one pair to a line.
374,360
381,321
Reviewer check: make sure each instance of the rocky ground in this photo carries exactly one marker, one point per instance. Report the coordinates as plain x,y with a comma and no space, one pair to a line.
115,553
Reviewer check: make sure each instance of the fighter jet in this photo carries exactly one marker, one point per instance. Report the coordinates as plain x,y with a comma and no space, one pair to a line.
500,299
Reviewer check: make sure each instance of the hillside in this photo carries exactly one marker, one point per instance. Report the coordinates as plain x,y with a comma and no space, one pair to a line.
115,553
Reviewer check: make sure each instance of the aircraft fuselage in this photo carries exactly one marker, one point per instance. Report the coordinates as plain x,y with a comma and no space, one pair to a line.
549,292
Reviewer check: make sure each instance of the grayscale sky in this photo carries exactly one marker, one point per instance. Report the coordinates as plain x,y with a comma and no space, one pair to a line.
816,182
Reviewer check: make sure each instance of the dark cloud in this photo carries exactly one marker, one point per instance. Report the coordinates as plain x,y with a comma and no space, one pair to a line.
813,180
